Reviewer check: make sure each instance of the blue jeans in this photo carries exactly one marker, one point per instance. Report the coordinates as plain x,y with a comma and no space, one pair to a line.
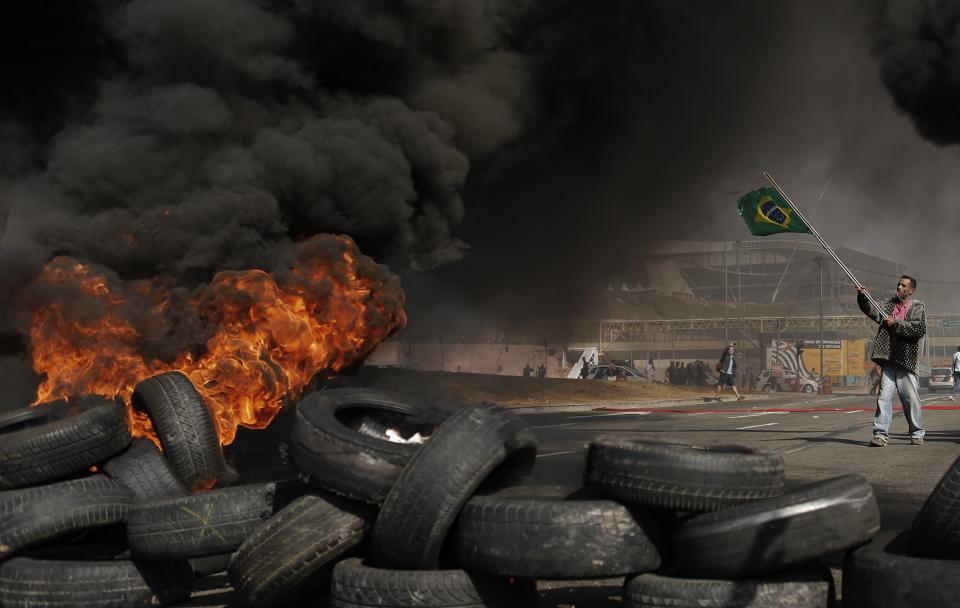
896,379
956,383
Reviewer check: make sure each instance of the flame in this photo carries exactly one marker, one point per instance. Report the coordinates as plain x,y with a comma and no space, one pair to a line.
249,340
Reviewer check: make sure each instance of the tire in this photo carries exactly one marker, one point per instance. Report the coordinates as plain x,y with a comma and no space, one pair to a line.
296,545
682,478
355,585
556,539
936,530
203,524
98,580
60,439
185,427
801,526
444,473
808,588
882,574
335,440
32,516
145,471
807,388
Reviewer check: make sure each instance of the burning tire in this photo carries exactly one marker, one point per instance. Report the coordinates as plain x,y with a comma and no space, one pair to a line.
470,446
683,478
185,427
97,578
803,525
355,585
882,574
296,545
35,515
338,438
811,588
206,523
59,439
555,539
145,471
936,530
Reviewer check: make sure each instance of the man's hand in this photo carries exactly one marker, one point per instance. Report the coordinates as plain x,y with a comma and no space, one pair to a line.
888,321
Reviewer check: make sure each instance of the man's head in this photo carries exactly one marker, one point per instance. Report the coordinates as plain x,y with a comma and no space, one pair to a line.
906,286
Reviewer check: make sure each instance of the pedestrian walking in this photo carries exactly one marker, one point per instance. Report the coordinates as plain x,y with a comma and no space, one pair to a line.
903,322
727,366
956,376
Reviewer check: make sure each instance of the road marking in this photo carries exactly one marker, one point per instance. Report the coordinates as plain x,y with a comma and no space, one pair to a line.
757,414
815,401
612,414
803,447
550,426
557,453
854,412
743,428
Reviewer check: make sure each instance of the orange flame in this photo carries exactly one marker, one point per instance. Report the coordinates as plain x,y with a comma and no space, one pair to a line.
257,339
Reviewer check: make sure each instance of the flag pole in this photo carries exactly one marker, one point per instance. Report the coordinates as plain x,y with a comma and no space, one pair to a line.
829,249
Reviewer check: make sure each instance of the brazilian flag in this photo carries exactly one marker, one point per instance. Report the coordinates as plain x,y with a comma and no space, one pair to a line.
766,212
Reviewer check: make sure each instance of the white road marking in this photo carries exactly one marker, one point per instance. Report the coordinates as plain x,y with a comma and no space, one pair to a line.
856,412
753,426
550,426
803,447
757,414
557,453
601,415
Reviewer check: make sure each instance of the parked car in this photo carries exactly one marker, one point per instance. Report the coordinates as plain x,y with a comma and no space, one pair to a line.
941,378
603,372
769,383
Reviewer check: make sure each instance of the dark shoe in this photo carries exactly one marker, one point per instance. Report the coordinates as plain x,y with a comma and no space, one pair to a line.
916,441
741,398
878,441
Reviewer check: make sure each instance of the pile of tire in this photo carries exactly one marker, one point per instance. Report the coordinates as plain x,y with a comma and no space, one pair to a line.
90,517
379,519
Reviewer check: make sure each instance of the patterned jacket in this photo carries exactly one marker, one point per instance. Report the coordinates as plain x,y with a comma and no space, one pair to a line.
906,334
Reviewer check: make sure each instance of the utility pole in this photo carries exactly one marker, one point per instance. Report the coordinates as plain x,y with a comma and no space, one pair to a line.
822,373
723,224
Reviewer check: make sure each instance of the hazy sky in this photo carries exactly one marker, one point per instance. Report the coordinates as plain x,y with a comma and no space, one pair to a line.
502,156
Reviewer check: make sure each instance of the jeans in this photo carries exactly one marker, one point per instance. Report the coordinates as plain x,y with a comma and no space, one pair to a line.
896,379
956,383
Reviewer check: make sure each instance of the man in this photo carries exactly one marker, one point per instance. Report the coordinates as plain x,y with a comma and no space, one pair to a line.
527,371
727,366
903,322
956,376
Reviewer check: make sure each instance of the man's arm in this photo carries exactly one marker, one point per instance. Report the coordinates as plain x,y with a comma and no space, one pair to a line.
867,308
912,330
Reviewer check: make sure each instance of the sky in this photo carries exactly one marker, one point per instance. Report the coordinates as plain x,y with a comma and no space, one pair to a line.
503,157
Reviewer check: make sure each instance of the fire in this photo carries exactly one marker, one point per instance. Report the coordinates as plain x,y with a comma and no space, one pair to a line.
248,340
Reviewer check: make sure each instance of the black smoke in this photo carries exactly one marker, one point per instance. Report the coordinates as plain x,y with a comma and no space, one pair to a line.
917,44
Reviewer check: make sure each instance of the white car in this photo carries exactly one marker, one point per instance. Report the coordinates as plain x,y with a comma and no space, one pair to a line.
785,381
941,379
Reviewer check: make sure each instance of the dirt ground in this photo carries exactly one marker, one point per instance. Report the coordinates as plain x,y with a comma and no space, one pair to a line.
510,390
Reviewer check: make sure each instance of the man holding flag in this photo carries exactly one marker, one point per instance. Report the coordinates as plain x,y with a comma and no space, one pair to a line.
902,319
903,323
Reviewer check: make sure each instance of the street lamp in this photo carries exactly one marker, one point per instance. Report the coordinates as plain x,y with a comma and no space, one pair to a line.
723,224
